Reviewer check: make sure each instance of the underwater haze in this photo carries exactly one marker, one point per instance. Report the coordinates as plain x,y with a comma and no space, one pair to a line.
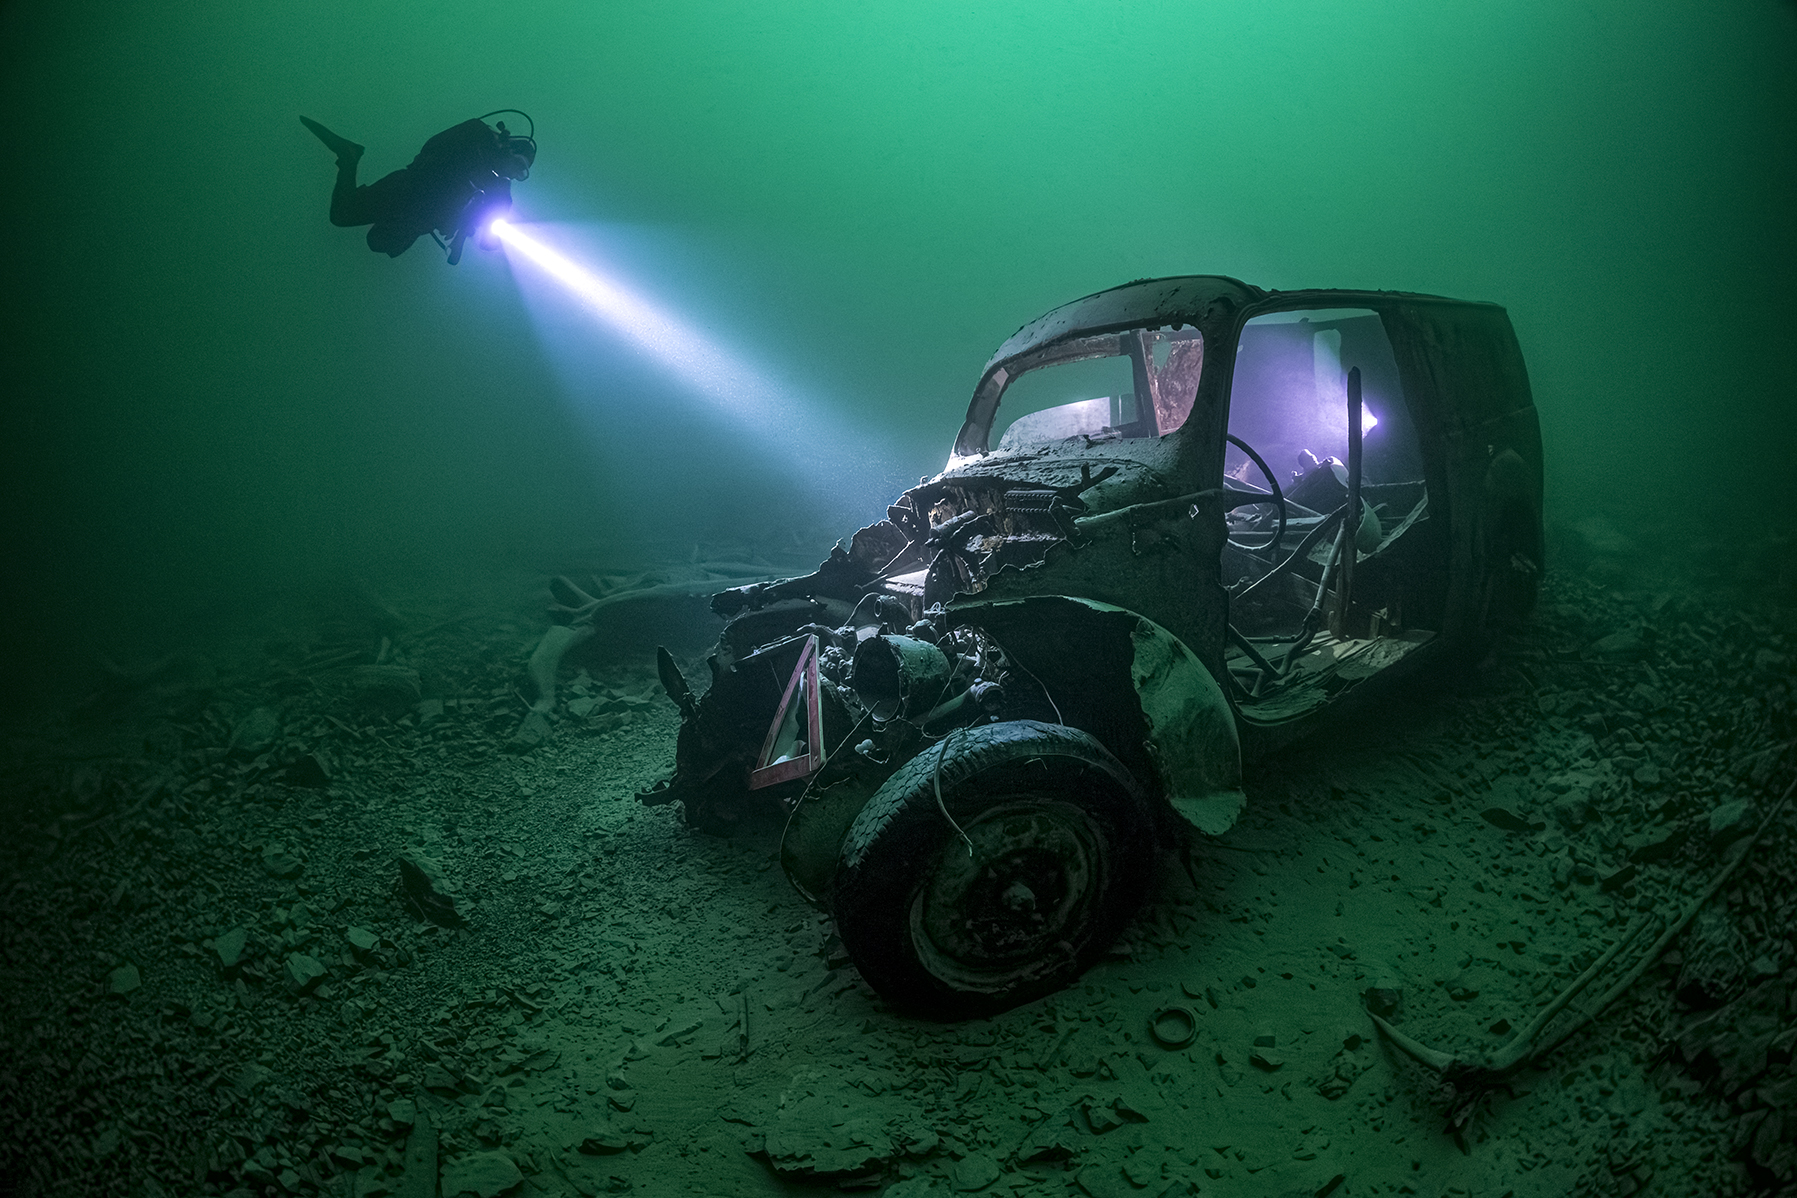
214,396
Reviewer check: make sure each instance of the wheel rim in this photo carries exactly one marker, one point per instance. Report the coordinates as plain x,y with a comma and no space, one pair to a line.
1021,907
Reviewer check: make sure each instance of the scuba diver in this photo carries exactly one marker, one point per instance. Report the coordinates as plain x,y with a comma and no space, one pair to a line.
459,182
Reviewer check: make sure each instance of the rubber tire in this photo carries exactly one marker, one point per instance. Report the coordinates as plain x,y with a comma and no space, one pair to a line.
999,780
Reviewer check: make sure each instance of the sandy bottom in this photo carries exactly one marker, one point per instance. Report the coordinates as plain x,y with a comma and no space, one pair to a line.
213,985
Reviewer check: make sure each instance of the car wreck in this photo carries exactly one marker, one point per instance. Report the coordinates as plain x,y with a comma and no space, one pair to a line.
1183,521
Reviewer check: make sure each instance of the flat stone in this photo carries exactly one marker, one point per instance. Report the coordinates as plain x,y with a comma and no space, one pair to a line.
280,862
313,770
1573,811
973,1173
402,1111
532,731
255,733
125,979
435,1077
420,1177
1729,822
1618,878
423,884
1262,1058
1625,645
302,972
603,1140
483,1174
1057,1138
361,938
1506,819
392,689
1104,1181
229,946
1102,1118
1647,847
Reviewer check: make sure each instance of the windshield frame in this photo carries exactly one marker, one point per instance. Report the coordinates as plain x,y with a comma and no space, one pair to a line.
1155,418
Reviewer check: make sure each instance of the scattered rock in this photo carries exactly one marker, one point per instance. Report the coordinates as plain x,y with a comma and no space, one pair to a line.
1344,1070
1508,820
607,1139
429,709
1647,847
973,1173
826,1127
125,979
1626,645
1384,998
1729,822
255,733
1616,879
1102,1117
420,1177
1263,1058
402,1111
1573,811
435,1077
394,690
421,882
313,770
483,1174
280,862
1057,1138
1647,777
1104,1181
532,731
361,939
229,946
302,972
676,1034
1715,960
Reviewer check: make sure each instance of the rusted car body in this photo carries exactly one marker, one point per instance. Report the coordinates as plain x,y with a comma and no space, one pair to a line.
1184,520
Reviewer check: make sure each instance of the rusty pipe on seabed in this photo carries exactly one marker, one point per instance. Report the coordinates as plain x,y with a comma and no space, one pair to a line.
1523,1048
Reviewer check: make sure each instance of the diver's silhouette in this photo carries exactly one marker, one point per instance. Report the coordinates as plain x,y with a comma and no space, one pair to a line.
459,181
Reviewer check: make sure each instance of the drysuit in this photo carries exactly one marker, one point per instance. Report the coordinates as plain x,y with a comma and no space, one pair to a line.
461,173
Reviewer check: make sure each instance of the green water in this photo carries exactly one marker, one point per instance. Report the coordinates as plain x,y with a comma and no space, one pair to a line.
213,395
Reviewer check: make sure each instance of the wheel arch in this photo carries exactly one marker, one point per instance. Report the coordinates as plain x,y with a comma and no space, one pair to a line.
1134,686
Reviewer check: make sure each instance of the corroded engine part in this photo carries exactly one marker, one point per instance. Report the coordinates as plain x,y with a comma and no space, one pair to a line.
899,676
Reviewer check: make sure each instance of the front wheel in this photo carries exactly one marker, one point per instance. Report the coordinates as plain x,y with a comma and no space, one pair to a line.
1049,864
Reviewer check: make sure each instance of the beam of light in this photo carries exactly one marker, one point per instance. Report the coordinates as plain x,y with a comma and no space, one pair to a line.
702,365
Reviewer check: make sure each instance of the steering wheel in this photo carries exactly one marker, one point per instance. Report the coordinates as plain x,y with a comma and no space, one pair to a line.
1246,499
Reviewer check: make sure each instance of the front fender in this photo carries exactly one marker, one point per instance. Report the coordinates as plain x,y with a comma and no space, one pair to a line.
1136,687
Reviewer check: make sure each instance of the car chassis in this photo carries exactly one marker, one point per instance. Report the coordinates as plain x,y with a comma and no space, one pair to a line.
981,717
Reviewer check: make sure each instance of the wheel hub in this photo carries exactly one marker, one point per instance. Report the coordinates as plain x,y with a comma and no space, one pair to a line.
1018,905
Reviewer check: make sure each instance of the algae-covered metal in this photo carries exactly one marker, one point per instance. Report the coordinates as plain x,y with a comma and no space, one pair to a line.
1183,520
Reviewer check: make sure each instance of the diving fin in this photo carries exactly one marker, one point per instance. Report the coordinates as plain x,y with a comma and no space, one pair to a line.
346,150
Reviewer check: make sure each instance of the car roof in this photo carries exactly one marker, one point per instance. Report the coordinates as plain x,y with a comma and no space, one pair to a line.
1178,300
